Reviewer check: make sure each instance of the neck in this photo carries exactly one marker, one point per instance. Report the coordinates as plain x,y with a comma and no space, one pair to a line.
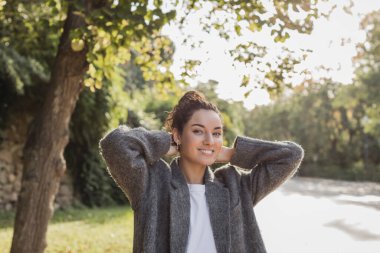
194,174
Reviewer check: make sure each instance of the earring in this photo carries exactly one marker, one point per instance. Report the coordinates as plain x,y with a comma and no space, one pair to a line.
178,146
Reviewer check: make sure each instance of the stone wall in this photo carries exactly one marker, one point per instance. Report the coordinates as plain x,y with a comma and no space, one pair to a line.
11,146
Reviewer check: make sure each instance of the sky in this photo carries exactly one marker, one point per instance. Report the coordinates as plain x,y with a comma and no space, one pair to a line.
325,42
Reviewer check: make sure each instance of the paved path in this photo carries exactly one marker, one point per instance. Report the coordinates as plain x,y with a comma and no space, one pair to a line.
323,216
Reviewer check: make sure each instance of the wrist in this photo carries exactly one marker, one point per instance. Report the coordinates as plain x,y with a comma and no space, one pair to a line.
229,153
225,154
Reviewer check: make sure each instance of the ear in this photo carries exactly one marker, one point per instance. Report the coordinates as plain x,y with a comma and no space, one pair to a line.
176,136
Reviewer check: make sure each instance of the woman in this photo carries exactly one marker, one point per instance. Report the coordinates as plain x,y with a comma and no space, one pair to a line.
185,206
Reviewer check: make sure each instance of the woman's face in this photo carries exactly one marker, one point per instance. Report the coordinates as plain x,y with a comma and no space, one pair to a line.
202,138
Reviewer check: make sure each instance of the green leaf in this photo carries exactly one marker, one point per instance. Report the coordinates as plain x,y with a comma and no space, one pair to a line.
245,81
238,29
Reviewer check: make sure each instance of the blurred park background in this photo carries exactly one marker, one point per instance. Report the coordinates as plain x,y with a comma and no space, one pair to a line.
307,71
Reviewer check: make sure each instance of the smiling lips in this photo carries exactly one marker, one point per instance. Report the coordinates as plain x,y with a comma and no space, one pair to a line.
206,151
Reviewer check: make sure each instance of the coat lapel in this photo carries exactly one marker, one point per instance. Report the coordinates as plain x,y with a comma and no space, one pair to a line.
179,210
218,200
217,197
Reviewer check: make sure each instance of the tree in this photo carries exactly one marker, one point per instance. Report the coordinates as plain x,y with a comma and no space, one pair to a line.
94,37
368,77
43,153
368,71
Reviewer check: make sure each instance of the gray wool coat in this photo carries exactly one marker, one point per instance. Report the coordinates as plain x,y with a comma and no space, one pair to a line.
160,198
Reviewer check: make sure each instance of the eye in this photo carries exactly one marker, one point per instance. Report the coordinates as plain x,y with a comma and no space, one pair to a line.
197,131
217,134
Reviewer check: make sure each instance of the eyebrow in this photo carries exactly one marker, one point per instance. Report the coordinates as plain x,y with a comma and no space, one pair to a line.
200,125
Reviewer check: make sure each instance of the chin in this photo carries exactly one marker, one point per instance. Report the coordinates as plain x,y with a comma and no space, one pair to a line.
203,161
210,162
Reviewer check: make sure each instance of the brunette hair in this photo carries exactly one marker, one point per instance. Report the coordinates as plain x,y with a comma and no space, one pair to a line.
190,102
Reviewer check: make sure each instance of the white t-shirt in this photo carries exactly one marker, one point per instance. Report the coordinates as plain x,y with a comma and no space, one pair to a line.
201,238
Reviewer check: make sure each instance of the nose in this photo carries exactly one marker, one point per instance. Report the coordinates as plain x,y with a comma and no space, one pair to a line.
208,140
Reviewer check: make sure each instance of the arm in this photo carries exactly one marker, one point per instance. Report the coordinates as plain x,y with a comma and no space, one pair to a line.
129,154
271,163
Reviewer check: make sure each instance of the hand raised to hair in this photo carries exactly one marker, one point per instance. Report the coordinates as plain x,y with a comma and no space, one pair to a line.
225,155
172,151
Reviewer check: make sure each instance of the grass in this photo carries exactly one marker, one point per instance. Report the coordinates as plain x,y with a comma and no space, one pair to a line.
81,231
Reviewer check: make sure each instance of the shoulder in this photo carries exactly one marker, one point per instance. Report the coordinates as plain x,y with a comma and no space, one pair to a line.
235,180
229,174
160,168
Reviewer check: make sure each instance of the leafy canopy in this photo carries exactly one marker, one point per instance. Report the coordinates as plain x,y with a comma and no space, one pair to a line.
115,29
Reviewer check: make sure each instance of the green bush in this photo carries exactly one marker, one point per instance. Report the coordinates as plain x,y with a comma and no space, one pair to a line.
92,183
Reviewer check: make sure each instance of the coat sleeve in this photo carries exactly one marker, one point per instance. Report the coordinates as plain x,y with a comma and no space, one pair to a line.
271,163
129,153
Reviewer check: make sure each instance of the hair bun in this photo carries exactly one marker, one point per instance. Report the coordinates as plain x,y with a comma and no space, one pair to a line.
190,102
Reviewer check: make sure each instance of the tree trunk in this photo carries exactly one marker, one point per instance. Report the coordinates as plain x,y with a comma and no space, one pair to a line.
44,164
